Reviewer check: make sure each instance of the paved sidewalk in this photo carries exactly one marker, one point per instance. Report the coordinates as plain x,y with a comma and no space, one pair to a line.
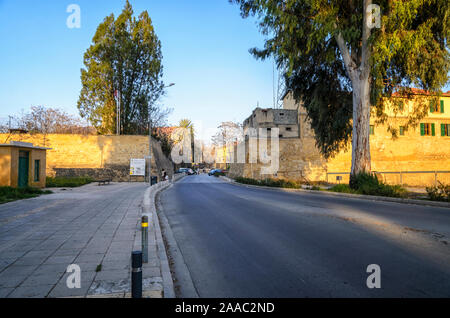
87,226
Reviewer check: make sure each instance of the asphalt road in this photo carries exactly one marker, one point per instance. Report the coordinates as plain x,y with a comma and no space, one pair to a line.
245,242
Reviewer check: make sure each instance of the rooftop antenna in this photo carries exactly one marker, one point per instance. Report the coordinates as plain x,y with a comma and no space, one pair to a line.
281,86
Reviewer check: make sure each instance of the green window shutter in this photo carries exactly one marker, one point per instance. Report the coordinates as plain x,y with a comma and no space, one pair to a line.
442,129
442,106
432,130
431,106
422,129
37,170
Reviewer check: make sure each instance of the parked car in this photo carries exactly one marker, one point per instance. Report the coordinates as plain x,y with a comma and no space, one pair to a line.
213,171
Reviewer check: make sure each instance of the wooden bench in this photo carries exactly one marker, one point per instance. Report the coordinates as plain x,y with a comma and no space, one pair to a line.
103,182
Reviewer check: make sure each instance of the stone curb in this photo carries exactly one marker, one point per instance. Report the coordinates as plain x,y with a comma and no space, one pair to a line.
346,195
149,209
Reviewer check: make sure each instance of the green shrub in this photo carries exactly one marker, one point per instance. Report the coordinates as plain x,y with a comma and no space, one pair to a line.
439,193
344,188
8,194
67,182
247,181
280,183
360,180
368,184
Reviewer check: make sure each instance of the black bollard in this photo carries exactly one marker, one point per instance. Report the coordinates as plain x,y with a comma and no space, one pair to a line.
136,274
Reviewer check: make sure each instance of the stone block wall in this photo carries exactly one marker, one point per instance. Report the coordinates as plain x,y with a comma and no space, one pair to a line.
95,156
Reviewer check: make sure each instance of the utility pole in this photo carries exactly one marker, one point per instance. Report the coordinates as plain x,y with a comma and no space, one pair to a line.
117,96
150,149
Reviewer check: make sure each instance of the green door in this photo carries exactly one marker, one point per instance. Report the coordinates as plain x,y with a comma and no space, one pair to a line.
23,169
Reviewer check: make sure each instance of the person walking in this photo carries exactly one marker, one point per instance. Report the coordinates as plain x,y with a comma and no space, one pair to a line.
164,175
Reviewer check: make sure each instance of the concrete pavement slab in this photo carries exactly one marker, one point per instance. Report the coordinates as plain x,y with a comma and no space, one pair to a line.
89,258
67,260
45,268
44,279
19,270
11,280
116,265
110,275
38,291
61,290
91,226
31,260
5,292
71,252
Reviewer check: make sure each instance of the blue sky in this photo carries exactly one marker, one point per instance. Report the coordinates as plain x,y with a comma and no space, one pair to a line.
205,46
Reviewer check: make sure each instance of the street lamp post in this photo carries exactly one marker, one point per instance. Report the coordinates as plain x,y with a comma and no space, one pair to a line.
150,143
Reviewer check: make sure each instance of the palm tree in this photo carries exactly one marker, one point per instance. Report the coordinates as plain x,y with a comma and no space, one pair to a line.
187,124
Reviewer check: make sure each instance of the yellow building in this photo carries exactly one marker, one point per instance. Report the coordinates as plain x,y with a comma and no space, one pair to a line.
22,165
419,156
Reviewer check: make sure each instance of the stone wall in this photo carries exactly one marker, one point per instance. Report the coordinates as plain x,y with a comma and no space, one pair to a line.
95,156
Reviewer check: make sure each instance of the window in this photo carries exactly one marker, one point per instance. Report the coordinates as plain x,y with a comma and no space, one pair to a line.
445,130
371,130
280,136
437,107
37,170
427,129
400,104
288,128
402,130
434,107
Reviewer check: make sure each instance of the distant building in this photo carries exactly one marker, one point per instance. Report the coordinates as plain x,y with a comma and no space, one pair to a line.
286,120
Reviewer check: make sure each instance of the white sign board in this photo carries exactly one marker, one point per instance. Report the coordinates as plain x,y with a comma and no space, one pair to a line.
137,167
